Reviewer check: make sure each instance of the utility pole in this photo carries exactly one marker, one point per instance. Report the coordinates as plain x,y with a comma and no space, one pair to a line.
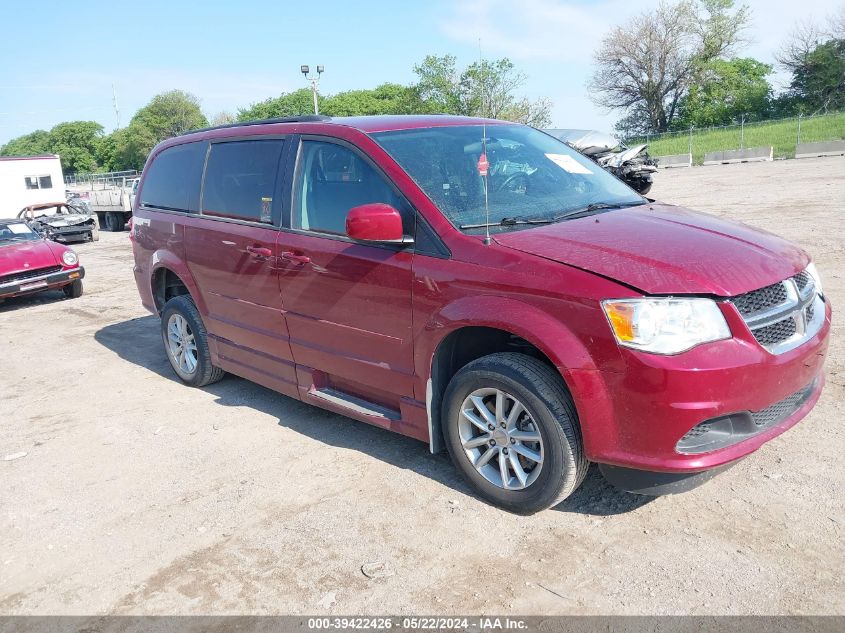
114,105
315,80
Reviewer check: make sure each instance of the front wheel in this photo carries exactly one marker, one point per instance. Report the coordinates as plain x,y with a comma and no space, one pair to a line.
512,432
73,290
186,343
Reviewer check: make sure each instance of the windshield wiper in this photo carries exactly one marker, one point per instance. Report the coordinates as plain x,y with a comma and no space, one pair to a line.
505,222
593,207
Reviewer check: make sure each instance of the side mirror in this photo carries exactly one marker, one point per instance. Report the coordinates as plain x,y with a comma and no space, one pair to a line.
375,222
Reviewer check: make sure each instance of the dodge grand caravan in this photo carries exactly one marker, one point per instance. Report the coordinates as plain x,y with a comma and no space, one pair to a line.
479,286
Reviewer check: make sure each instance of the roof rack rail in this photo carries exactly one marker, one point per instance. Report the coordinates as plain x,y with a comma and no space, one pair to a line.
305,118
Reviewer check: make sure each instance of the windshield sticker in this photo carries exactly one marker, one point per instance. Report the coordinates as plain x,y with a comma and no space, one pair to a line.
484,164
567,163
265,209
19,229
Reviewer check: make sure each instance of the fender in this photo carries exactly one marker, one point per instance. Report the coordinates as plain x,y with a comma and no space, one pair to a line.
166,259
557,342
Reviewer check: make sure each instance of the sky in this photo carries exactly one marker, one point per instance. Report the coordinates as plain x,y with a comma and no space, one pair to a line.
62,60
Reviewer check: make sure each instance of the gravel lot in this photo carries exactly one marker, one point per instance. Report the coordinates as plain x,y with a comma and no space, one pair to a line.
139,495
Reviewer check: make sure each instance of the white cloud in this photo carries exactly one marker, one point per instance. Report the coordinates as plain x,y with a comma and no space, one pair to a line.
535,29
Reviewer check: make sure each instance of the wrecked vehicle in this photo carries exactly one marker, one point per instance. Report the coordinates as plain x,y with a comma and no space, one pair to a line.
30,263
61,222
631,165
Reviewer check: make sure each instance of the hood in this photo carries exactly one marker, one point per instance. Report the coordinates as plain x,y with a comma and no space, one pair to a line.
21,256
63,219
627,154
662,249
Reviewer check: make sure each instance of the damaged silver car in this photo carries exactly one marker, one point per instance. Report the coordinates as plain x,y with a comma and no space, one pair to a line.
62,222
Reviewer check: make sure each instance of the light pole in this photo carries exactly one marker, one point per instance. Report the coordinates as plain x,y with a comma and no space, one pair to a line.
314,79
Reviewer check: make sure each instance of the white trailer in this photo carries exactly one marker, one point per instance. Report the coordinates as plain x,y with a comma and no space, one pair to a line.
27,180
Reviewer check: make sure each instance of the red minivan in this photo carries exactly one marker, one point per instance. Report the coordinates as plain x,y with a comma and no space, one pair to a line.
479,286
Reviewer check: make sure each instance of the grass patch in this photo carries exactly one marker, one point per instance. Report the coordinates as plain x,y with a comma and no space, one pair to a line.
782,135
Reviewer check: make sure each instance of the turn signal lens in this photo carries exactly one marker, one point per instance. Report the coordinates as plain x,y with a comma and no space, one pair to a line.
621,317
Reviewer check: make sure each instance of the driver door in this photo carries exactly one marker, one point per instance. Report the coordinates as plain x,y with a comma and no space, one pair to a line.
347,304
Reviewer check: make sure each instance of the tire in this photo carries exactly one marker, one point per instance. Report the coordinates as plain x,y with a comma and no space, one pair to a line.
73,290
548,411
199,373
115,222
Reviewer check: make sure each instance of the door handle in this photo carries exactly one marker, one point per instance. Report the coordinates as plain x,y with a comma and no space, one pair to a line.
259,251
294,257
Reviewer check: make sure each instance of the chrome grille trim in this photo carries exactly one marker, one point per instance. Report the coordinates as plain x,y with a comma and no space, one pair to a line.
784,315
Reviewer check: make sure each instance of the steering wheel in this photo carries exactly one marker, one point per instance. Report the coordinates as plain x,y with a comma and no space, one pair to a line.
510,183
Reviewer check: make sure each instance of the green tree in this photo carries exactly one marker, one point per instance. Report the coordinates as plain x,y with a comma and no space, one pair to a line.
76,142
32,144
387,98
439,84
223,118
170,114
647,65
487,88
818,81
727,91
166,115
287,104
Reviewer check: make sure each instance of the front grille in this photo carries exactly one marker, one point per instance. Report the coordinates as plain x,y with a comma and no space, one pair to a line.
29,274
726,430
762,299
775,333
802,279
781,410
780,316
696,431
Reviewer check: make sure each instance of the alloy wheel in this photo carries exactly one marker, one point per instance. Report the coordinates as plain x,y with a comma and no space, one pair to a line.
181,344
500,438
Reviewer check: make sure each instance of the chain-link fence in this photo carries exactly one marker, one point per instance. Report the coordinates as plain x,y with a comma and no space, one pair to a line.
100,181
782,134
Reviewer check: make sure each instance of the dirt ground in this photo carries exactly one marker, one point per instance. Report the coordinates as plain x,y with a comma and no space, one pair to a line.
140,495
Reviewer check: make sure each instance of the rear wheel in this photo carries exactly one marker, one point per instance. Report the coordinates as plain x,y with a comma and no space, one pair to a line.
115,222
73,290
512,431
186,343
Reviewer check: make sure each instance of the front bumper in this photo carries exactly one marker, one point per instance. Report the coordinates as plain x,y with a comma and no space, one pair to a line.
635,418
42,282
67,234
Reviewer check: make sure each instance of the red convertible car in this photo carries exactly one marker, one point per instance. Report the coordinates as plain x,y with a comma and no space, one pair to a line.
29,263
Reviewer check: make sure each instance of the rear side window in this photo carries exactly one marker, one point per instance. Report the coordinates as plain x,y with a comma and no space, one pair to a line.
240,179
173,179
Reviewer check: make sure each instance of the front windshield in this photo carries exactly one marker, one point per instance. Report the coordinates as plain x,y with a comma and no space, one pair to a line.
13,232
532,177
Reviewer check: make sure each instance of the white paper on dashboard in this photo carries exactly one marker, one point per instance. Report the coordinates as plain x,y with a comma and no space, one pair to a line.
19,229
567,163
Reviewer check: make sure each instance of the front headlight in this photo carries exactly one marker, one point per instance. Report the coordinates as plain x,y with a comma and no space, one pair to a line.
817,280
665,325
69,258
